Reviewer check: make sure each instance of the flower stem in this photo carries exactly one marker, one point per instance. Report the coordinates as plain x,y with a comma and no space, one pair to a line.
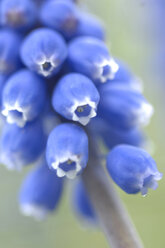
114,219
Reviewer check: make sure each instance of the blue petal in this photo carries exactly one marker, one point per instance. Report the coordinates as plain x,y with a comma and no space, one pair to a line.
40,192
22,146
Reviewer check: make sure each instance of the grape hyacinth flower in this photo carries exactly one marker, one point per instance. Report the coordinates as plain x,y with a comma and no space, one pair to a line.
40,192
76,98
44,51
21,146
18,14
67,150
90,56
9,51
24,97
133,169
61,92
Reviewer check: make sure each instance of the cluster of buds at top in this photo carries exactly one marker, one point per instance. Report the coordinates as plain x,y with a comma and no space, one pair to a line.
60,86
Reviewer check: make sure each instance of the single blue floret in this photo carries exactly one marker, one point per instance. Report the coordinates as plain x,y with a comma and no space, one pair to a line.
24,97
21,146
44,51
76,98
67,150
123,108
132,169
90,56
40,192
62,16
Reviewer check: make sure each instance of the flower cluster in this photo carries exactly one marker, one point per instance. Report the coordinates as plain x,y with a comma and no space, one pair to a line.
60,86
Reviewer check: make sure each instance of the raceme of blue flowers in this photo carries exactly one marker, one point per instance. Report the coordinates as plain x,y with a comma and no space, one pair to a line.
60,86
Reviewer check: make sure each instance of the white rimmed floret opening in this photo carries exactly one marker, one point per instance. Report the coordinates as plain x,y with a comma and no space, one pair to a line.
47,70
144,114
69,174
84,120
113,68
19,119
151,183
32,210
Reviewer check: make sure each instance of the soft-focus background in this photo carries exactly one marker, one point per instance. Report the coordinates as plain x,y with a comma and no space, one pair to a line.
133,28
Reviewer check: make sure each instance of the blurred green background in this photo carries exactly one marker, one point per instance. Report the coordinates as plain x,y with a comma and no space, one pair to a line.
131,29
